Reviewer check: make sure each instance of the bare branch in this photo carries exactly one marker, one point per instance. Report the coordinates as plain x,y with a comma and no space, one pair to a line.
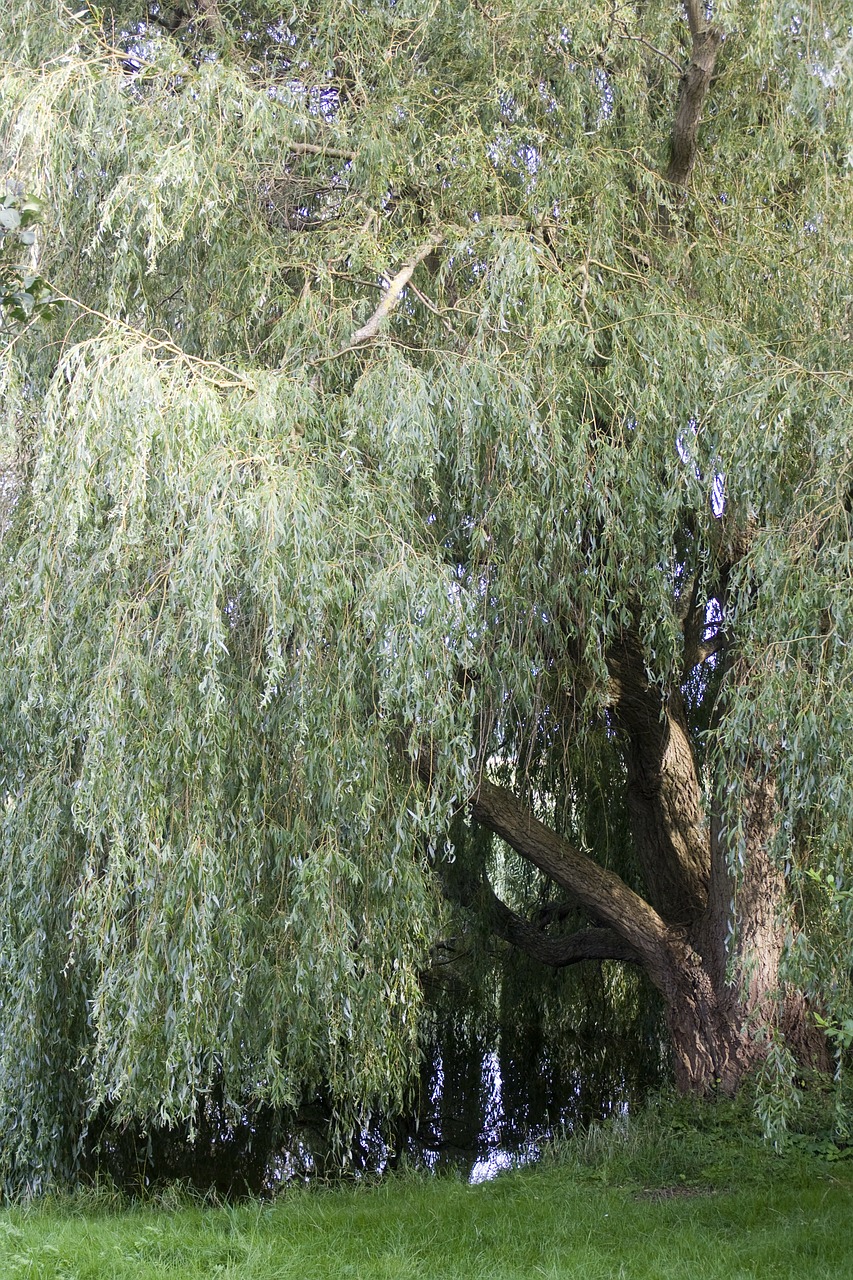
430,306
393,292
625,34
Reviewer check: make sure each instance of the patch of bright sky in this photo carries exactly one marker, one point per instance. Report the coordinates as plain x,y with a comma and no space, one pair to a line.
684,443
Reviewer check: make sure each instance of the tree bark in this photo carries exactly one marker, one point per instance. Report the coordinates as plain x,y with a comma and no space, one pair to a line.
711,941
663,792
718,974
531,936
692,92
604,894
706,1049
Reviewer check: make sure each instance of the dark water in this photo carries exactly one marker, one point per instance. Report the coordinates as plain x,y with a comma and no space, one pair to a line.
503,1073
493,1093
505,1109
550,1057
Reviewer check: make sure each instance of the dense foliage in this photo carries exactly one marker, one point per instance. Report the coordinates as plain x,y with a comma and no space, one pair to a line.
271,542
24,294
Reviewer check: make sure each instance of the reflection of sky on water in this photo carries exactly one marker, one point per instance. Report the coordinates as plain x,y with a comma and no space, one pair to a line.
497,1158
493,1149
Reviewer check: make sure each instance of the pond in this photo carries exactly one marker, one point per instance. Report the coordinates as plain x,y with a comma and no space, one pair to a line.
494,1088
504,1071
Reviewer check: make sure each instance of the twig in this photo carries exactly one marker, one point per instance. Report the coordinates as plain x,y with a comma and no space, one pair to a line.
625,34
430,306
231,378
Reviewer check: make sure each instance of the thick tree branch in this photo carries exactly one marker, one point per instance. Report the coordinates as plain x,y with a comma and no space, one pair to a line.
474,891
702,639
314,149
601,891
585,944
695,17
211,18
393,292
692,619
206,12
693,90
664,795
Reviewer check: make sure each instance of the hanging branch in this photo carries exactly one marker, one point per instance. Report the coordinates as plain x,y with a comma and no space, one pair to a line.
393,292
693,90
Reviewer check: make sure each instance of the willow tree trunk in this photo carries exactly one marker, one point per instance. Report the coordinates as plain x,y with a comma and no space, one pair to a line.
726,998
710,939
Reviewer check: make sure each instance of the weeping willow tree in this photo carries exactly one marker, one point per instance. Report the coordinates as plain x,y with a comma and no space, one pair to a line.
432,481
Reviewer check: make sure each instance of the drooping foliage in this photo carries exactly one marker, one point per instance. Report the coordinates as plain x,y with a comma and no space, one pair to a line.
25,294
268,546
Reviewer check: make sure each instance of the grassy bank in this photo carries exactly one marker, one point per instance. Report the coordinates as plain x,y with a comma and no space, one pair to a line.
674,1196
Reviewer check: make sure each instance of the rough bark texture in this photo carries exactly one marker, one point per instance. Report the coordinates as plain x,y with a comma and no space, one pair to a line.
556,952
663,794
693,90
710,941
719,983
603,893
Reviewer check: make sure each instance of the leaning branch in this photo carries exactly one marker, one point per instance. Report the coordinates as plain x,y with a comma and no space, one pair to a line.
312,149
392,294
602,892
556,952
625,34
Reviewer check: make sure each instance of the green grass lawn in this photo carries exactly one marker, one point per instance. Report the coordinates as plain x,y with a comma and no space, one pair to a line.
675,1202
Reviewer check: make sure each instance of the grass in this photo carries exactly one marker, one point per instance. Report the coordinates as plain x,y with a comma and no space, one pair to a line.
678,1194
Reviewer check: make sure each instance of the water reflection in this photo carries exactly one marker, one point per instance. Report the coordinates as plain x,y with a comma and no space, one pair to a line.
489,1101
504,1070
511,1059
